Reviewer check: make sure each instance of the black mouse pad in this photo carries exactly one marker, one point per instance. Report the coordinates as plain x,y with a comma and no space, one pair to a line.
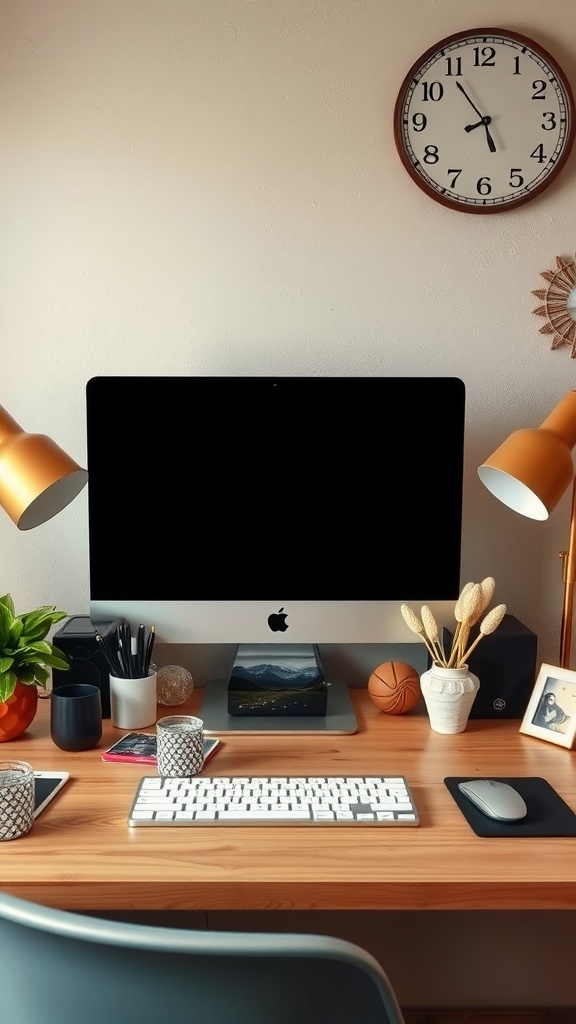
548,814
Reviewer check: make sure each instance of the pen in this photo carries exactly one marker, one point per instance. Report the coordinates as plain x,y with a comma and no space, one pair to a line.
149,649
126,641
110,656
123,658
135,671
127,656
140,651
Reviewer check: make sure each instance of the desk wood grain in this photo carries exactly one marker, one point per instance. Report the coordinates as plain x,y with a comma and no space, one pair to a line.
81,854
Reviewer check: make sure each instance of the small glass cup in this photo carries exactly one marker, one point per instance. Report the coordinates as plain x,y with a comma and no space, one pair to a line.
17,792
180,745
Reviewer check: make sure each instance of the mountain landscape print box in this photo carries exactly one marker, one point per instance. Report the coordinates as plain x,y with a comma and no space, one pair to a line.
278,680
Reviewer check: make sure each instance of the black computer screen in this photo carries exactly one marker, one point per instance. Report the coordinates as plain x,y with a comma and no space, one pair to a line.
274,489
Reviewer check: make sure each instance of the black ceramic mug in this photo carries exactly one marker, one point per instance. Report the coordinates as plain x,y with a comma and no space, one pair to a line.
76,716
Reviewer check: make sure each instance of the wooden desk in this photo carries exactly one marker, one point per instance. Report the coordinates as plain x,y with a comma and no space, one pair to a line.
81,854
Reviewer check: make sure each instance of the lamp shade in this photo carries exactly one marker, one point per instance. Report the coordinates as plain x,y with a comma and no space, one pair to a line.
37,478
533,467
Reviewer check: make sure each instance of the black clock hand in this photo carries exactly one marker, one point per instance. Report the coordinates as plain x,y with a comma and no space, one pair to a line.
482,122
485,120
473,105
489,139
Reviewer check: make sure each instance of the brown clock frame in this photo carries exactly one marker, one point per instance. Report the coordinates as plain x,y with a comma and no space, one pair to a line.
399,134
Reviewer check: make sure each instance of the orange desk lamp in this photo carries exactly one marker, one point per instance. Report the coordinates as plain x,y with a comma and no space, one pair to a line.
37,478
530,472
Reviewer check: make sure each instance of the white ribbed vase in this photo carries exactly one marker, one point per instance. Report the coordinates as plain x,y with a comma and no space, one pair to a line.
449,694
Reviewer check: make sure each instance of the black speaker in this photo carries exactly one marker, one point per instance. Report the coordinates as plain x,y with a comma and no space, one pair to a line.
505,663
77,638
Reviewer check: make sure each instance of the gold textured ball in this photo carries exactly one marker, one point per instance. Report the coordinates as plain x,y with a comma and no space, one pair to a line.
174,684
394,687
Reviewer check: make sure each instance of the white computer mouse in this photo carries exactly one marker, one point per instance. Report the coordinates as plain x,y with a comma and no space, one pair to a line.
497,800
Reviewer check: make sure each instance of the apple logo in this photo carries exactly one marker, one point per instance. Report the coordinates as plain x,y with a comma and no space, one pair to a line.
277,621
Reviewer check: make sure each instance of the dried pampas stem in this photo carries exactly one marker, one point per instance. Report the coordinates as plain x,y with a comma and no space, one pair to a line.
488,586
431,630
471,612
472,603
459,615
488,625
413,623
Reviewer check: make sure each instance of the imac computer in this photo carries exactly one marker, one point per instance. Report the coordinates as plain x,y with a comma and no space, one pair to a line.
262,510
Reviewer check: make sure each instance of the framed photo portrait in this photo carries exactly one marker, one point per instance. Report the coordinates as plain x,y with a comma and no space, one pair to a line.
551,711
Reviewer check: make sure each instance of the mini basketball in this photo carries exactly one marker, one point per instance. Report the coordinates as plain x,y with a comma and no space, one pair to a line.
394,687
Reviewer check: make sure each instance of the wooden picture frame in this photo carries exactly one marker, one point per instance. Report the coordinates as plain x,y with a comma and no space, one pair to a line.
551,711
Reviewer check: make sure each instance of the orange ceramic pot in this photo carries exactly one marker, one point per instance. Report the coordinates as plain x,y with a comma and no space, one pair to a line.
18,711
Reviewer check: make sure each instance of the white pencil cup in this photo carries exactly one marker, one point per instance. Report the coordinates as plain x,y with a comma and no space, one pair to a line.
133,701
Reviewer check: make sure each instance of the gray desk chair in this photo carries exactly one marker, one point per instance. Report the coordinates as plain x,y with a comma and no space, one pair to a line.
62,968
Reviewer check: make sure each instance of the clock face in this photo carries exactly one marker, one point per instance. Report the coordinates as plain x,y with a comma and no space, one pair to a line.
484,120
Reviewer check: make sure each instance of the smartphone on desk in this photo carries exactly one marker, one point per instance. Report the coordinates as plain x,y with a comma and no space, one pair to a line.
140,748
46,785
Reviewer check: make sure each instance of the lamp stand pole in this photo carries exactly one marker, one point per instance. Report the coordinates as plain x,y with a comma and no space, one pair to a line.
569,580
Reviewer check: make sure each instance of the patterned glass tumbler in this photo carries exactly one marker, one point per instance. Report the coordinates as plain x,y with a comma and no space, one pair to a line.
17,793
180,745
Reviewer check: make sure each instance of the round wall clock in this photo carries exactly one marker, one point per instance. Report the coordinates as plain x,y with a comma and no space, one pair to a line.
484,120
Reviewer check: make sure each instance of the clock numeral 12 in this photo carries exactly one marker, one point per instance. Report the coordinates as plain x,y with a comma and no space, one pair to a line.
488,53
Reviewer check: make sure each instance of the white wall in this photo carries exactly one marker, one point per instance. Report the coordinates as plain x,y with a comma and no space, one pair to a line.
212,186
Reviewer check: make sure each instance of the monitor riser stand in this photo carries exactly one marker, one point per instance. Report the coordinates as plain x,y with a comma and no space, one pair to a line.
339,719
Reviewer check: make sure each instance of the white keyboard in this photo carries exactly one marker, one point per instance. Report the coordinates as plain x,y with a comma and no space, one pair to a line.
274,800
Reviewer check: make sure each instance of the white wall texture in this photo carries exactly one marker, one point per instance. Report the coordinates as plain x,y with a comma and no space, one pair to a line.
212,186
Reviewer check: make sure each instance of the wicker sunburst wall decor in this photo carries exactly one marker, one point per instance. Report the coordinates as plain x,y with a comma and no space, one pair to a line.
559,304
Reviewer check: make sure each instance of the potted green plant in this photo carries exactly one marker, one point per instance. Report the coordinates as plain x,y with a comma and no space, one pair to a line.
26,658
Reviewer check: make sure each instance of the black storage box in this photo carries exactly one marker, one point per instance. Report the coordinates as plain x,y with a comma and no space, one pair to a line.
505,663
279,680
77,638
